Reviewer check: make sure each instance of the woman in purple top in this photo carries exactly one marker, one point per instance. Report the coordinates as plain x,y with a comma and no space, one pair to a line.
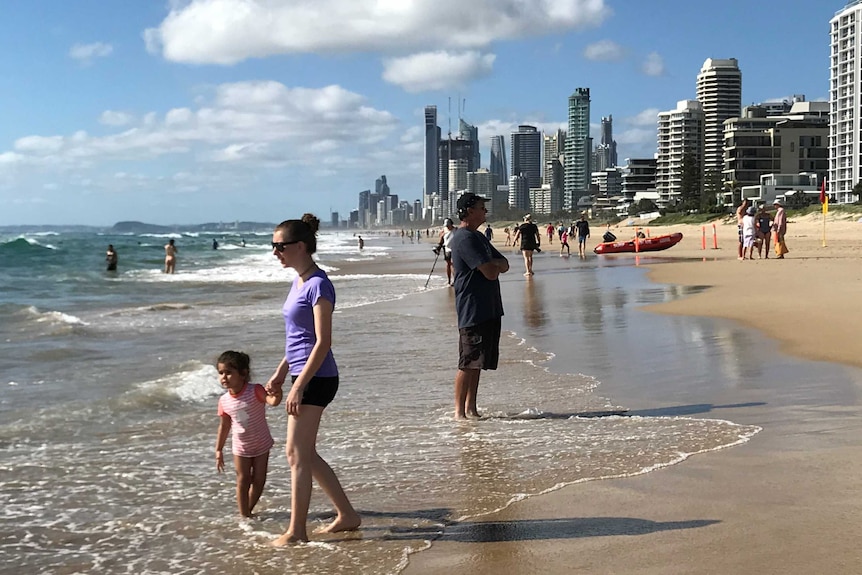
308,359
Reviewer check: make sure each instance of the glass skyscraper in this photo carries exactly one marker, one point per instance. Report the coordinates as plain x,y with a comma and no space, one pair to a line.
527,155
498,161
578,150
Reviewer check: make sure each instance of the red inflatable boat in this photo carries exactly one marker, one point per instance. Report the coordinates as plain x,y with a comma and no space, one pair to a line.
651,244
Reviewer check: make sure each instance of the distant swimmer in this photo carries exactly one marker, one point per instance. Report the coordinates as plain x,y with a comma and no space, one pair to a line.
242,242
111,258
361,243
215,244
170,257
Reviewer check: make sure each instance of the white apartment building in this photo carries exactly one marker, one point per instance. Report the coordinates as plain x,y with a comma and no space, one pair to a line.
845,87
719,90
680,132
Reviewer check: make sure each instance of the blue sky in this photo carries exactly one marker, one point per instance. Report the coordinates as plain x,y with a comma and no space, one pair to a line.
216,110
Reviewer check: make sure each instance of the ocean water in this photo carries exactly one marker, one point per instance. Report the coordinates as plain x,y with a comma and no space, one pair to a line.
108,397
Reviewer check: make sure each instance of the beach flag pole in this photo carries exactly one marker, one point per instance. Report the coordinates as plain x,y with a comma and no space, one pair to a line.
824,206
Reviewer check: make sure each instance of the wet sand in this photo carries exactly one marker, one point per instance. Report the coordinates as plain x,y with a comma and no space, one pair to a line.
785,502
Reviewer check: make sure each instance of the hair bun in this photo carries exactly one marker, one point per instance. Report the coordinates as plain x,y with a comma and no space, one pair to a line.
311,221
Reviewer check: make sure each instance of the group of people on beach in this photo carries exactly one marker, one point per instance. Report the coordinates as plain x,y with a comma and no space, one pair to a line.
529,239
314,378
757,226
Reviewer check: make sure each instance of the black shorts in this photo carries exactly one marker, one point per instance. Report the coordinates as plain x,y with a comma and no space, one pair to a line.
320,391
479,345
447,256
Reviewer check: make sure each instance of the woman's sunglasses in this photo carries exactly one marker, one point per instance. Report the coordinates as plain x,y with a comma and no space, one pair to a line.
279,246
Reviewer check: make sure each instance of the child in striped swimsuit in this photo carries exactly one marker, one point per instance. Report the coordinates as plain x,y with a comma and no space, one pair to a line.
242,411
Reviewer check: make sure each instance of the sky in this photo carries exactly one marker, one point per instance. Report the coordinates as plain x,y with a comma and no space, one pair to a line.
260,110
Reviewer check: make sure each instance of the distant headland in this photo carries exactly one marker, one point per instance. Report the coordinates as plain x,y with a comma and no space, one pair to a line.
133,227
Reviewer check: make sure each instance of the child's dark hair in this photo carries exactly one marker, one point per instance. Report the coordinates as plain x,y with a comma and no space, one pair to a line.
236,359
304,230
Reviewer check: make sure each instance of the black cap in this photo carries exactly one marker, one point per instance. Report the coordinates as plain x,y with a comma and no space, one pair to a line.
469,200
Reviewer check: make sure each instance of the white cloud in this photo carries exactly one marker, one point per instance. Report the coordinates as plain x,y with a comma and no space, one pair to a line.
229,31
86,53
256,123
39,144
178,116
648,117
653,65
505,128
112,118
604,51
437,70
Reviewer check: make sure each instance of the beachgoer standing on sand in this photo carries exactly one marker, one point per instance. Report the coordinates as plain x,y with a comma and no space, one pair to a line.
764,230
111,258
508,233
564,242
779,224
444,244
489,233
749,233
583,228
243,415
478,302
531,241
550,231
170,256
309,361
740,213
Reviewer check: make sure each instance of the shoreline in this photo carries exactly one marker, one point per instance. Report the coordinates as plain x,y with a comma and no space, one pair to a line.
784,502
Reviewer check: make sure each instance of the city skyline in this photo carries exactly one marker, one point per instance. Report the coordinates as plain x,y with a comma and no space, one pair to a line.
146,112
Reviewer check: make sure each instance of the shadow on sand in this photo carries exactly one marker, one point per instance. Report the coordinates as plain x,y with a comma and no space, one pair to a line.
679,410
537,529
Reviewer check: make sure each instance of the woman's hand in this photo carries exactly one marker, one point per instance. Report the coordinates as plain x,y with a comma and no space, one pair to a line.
219,462
294,400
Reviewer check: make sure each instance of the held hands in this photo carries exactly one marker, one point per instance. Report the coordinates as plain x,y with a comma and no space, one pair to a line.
273,386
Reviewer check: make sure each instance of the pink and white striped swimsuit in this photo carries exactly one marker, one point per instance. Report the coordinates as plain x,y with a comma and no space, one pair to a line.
249,431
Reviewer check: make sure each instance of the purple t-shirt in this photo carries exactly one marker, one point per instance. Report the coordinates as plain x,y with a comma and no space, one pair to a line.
298,314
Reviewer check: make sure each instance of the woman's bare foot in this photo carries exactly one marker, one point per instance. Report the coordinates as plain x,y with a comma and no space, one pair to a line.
288,539
339,524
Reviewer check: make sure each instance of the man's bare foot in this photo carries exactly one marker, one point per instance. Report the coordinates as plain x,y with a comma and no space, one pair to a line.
474,415
288,539
340,524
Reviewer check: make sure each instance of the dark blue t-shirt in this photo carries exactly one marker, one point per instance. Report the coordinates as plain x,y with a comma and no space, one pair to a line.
583,228
477,299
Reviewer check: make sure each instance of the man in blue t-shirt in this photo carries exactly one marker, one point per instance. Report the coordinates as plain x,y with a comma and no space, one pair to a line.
478,303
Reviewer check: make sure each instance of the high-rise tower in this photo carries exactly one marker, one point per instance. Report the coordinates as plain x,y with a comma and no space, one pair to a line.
578,148
432,146
606,151
719,90
471,133
498,161
527,154
552,170
680,140
845,81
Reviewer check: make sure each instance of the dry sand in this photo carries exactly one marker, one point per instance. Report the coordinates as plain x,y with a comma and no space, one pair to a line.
787,502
